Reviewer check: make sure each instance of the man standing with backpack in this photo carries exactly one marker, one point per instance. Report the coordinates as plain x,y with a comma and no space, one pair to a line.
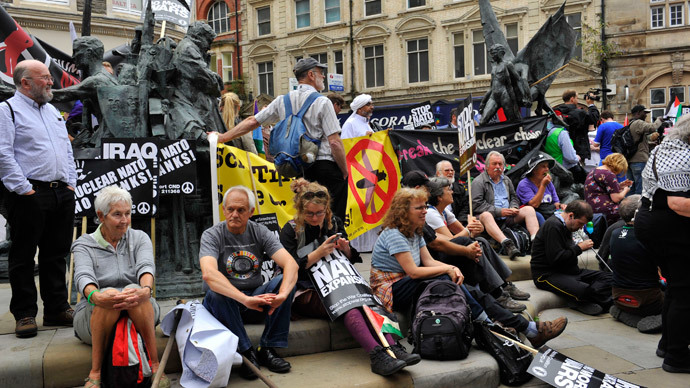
329,167
640,129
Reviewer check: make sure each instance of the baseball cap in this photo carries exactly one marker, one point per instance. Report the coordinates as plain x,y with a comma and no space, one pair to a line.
414,178
306,64
640,108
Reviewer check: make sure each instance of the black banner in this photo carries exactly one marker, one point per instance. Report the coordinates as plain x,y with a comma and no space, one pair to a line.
560,371
269,220
338,284
176,160
421,150
138,176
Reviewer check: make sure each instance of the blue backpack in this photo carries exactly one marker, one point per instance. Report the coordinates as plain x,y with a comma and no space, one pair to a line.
293,150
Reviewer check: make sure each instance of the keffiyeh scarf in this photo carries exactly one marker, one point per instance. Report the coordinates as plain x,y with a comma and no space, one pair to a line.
668,168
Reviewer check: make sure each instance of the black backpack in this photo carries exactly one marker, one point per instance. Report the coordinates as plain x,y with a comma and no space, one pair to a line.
622,142
441,326
126,363
520,237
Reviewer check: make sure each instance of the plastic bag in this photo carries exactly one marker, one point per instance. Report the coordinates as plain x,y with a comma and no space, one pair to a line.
512,360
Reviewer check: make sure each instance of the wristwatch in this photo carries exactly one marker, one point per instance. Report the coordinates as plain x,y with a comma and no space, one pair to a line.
150,290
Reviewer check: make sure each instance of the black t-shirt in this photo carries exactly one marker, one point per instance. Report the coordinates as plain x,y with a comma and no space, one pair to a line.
633,265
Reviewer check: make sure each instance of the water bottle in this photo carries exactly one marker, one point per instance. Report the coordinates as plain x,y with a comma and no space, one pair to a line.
590,227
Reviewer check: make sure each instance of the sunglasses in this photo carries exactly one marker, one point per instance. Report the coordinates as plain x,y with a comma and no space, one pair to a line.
319,194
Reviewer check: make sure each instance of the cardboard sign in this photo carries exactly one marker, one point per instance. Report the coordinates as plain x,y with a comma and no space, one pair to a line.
174,11
338,283
560,371
270,220
421,115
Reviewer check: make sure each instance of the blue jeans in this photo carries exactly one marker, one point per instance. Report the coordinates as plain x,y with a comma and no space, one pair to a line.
635,175
231,313
540,218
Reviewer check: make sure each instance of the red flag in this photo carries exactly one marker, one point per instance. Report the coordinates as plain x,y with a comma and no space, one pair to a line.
626,120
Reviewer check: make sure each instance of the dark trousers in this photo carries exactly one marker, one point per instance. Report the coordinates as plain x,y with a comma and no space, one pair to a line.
497,312
44,220
587,286
328,173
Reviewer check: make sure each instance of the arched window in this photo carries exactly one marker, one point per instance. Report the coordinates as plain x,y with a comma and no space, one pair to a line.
218,17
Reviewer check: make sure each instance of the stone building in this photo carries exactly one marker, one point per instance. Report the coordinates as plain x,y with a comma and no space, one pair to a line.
654,38
401,51
112,21
225,54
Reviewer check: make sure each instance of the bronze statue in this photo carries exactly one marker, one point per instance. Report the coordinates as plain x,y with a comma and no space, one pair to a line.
549,49
508,89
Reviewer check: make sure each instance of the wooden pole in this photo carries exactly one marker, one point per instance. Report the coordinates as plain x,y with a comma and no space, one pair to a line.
153,244
71,269
163,29
550,74
518,344
469,191
166,352
83,232
382,338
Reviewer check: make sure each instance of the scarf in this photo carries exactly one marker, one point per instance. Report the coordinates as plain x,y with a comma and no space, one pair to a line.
668,168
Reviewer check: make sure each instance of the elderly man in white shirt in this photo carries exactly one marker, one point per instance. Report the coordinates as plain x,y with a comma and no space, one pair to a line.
358,123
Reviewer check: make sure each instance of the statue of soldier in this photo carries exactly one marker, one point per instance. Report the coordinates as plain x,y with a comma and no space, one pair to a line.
508,90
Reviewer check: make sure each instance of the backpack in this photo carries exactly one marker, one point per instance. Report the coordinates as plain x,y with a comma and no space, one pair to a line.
126,363
441,326
293,150
622,142
520,237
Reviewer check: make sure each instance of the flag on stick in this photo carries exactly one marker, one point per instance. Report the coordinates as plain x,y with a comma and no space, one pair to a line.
381,323
625,123
674,111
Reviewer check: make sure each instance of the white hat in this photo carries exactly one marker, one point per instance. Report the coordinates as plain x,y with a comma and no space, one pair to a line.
360,101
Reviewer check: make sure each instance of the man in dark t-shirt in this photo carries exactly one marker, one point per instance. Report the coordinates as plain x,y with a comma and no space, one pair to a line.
231,254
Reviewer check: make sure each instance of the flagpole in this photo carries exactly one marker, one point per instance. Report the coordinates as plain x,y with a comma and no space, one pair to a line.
382,338
213,144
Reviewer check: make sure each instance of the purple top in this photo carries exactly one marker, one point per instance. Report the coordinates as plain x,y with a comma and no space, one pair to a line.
526,190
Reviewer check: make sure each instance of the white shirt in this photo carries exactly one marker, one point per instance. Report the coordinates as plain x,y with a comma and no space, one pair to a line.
436,220
355,126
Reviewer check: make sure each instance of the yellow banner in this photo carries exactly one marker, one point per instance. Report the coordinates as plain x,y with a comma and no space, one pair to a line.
374,177
273,193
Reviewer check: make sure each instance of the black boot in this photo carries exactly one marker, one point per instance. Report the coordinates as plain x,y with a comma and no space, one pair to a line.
244,371
269,359
402,354
383,364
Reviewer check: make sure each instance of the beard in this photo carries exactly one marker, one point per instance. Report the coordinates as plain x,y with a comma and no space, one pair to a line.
40,94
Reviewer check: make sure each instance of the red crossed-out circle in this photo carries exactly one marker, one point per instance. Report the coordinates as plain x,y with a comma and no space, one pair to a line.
385,196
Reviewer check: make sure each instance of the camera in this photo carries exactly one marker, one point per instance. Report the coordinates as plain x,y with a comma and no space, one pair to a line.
594,94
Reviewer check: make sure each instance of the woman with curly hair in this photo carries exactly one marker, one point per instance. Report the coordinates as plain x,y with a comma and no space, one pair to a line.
602,190
230,105
315,233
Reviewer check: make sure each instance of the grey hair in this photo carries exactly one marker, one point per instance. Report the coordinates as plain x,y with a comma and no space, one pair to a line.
495,153
439,164
628,206
681,131
436,186
109,196
244,189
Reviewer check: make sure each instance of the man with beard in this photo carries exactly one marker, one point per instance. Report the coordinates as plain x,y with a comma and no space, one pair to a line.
330,168
39,176
358,123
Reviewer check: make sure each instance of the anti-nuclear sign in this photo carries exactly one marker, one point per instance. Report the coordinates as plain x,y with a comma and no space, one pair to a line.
466,137
268,266
560,371
338,284
174,11
138,176
176,160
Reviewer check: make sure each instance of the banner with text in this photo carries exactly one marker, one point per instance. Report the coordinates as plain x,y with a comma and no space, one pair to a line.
237,167
373,179
560,371
421,150
339,285
174,11
466,137
138,176
268,267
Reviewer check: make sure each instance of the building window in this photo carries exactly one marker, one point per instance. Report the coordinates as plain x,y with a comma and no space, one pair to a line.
302,13
373,65
372,7
332,11
133,6
512,37
263,17
675,14
479,57
415,3
266,78
218,17
338,60
657,112
657,17
418,60
677,91
657,96
227,67
459,49
575,21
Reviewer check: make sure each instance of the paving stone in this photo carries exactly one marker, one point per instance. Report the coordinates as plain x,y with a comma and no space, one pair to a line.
599,359
21,359
656,377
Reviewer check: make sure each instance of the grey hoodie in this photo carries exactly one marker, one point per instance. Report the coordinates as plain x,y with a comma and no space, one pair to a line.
104,266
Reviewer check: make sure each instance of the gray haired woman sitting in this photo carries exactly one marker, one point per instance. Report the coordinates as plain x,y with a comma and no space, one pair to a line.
113,269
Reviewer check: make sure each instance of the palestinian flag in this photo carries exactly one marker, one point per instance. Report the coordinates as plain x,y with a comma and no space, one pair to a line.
674,110
382,323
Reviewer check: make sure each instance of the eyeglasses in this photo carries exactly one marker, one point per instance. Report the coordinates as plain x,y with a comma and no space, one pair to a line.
318,194
314,214
419,208
47,78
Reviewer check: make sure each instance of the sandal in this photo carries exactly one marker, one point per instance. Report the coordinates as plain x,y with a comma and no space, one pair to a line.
164,382
94,383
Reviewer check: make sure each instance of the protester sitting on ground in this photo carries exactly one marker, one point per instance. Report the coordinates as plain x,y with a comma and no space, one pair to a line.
461,201
637,296
661,224
602,190
536,190
476,266
114,270
604,249
315,225
555,266
231,255
494,199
